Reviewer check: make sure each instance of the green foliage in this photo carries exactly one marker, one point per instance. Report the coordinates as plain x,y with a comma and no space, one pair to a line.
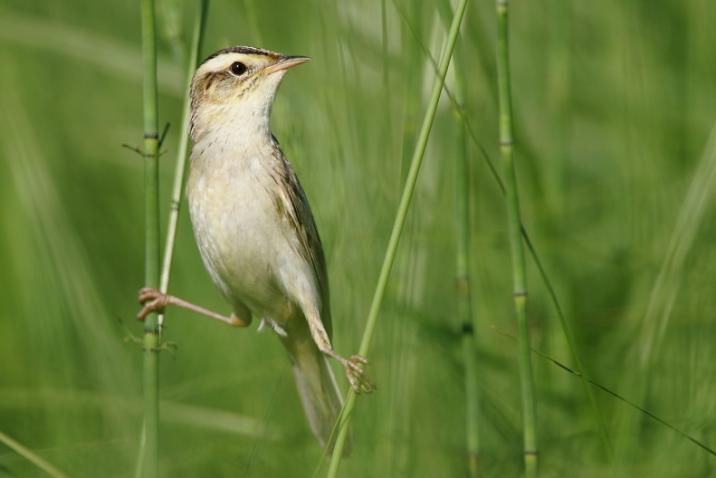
613,108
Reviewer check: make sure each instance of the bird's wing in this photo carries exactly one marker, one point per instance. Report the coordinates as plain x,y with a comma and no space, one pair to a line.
299,215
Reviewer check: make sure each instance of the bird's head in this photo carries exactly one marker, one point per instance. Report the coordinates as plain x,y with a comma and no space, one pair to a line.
236,86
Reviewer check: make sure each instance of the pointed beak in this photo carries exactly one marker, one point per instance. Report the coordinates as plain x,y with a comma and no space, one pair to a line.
286,62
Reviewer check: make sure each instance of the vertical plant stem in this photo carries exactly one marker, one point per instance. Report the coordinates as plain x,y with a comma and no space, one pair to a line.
463,256
151,238
572,343
463,283
569,335
401,215
515,233
386,59
196,41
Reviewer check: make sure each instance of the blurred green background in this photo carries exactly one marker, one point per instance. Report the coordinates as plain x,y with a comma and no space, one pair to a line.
614,106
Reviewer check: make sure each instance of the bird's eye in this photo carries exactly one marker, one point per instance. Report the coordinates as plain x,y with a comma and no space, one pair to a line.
238,68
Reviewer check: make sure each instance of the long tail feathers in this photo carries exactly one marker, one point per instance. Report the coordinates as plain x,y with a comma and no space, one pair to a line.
318,391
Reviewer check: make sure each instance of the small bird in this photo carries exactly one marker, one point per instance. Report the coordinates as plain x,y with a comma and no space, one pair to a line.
254,228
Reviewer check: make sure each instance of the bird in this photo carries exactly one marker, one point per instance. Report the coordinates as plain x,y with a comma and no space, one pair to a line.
254,228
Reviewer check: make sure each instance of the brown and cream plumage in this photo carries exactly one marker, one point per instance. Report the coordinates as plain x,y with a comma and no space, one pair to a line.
254,227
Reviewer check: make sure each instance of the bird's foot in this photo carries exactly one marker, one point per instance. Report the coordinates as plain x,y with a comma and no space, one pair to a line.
152,300
355,371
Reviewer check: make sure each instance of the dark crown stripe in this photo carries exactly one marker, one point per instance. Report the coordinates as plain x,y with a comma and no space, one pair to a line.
247,50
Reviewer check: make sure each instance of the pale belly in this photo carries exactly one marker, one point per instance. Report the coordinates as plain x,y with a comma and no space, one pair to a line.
240,236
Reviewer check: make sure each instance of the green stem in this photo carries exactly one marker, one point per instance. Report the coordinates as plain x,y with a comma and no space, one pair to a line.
151,256
31,456
519,278
386,62
572,343
584,375
463,282
398,224
197,37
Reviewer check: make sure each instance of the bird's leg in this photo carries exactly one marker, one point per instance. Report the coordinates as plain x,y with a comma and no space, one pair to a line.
354,366
153,300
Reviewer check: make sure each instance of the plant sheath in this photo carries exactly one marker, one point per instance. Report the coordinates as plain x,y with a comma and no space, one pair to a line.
516,247
401,215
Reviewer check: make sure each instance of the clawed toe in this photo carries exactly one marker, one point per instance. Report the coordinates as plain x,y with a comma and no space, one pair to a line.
359,359
356,364
152,300
146,294
355,371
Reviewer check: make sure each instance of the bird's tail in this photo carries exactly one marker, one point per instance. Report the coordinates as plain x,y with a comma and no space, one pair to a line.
317,389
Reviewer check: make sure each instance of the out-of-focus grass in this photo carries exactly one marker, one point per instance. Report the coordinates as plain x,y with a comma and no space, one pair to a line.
614,103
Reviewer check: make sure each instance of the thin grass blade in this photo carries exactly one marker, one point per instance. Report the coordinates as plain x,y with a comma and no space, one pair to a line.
31,456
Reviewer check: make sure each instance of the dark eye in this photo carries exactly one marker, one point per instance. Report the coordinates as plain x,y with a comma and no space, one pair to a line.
238,68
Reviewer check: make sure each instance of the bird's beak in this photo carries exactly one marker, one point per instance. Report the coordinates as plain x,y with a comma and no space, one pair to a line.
286,62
